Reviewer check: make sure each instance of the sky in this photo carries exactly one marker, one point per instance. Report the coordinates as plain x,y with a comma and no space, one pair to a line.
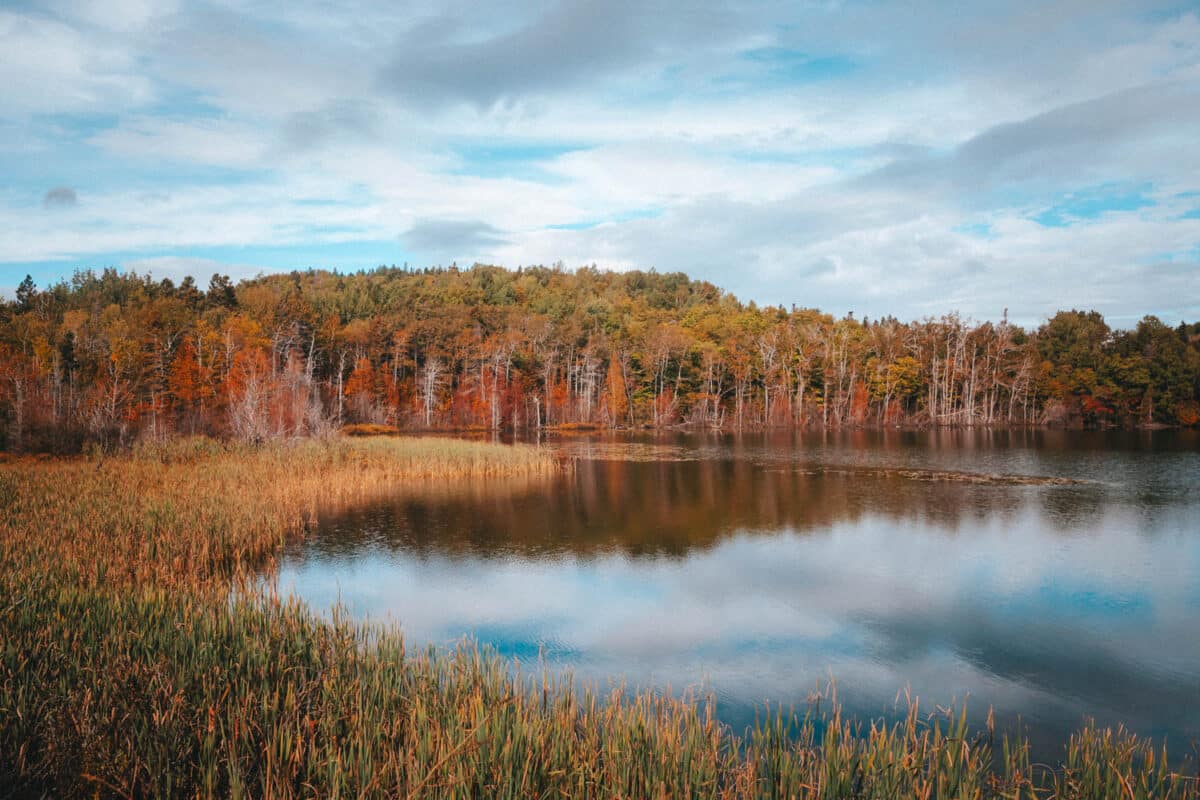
883,158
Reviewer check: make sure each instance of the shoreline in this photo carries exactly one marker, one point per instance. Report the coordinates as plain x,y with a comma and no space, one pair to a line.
129,671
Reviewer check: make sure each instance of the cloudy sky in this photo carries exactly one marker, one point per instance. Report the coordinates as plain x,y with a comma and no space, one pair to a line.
868,156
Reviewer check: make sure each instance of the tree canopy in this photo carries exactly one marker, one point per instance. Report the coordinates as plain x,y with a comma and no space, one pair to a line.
109,356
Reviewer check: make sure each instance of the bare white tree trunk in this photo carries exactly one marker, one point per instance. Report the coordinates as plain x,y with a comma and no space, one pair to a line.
431,381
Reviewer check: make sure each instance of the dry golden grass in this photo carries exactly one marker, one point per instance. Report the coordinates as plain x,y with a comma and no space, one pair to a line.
197,512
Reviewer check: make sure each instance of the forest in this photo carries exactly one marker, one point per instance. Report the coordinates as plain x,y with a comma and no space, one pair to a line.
108,358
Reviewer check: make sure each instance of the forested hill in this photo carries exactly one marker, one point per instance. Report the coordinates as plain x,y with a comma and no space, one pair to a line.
111,357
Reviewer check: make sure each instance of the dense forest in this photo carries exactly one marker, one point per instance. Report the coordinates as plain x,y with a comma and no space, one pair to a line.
108,358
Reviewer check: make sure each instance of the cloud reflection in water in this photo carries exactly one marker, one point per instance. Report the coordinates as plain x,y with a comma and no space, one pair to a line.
758,580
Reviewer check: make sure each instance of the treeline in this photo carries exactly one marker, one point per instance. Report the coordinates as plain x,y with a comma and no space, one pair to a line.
110,357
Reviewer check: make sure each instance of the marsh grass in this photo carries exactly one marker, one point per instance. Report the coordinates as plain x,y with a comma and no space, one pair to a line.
127,670
199,513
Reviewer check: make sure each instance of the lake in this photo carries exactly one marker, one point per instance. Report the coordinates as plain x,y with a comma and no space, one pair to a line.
757,567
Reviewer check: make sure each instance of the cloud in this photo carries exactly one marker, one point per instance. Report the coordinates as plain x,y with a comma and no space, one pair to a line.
467,239
60,197
114,15
445,59
49,67
824,154
842,248
1075,142
216,142
243,63
304,130
193,216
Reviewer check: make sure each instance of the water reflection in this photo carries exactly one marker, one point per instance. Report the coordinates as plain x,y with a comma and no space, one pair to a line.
764,565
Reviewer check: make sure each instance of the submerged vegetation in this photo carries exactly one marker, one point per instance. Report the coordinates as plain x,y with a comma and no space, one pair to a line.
113,358
127,668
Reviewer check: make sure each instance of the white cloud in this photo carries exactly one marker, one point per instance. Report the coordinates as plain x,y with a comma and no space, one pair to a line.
123,16
218,142
49,67
193,216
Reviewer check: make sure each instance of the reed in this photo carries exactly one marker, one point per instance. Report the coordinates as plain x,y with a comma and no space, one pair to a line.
200,513
126,669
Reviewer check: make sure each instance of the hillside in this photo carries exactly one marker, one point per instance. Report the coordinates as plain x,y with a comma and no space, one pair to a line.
110,357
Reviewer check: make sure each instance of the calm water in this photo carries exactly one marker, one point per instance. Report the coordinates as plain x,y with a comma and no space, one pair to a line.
760,566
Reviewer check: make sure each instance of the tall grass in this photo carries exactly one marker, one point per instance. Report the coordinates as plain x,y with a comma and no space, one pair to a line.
127,671
200,513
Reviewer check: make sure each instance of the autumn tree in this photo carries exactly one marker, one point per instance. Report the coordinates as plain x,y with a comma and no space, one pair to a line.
190,385
360,392
111,356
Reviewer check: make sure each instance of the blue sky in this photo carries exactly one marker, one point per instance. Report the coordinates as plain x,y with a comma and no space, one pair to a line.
868,156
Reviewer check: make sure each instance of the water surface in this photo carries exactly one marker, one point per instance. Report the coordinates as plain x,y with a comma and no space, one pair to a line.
760,566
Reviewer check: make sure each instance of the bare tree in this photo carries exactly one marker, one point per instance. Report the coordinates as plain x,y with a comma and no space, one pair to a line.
431,378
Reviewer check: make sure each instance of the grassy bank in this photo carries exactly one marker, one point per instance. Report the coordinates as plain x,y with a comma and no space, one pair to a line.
126,671
199,513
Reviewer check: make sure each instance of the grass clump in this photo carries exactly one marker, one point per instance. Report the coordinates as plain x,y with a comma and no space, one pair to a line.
126,669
